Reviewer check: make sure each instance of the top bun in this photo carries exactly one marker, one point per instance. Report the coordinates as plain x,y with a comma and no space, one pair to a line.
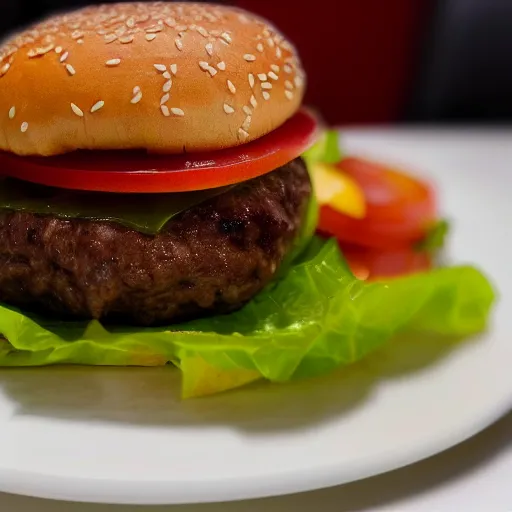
166,77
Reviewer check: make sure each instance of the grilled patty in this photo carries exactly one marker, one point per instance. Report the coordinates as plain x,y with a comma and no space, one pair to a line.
212,258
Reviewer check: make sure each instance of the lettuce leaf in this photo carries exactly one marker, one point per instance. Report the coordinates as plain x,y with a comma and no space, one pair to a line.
313,320
326,149
435,238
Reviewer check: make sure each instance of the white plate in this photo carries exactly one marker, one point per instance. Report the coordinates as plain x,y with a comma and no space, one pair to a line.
121,435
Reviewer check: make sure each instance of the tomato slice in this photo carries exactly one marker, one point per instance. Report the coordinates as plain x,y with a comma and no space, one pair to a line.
138,171
372,264
399,208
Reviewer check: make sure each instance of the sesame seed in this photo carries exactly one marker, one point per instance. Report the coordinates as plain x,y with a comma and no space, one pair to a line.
243,134
231,87
113,62
181,28
136,98
12,112
251,80
167,86
177,112
288,94
270,42
266,95
110,38
299,81
178,44
203,32
70,69
279,53
273,76
247,110
97,106
266,85
266,32
45,49
262,77
253,101
249,57
77,110
166,75
165,110
226,37
4,69
275,68
24,127
32,53
160,67
150,37
164,99
209,49
64,56
243,18
136,90
288,85
173,68
222,65
204,65
58,50
228,109
212,71
259,47
130,22
287,68
77,34
154,30
247,123
80,41
126,39
170,22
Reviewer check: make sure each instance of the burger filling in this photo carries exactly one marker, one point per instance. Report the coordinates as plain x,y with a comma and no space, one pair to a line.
148,259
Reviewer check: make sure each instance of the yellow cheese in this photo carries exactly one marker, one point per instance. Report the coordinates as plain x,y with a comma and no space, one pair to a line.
338,190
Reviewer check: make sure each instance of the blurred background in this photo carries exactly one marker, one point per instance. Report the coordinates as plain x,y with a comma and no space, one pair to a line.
380,61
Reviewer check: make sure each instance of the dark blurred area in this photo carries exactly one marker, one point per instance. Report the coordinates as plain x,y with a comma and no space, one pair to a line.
381,61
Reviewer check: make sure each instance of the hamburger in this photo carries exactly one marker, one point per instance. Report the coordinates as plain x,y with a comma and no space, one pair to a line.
156,207
122,115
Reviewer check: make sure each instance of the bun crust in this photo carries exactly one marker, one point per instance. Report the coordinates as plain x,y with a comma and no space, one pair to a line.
166,77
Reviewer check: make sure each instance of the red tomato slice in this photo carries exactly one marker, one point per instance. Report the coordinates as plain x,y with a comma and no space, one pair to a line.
399,208
137,171
368,263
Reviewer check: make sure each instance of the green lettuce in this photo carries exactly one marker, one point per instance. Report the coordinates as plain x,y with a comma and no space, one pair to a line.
316,318
436,237
326,149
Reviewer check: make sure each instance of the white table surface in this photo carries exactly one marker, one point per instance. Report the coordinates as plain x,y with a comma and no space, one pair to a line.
475,476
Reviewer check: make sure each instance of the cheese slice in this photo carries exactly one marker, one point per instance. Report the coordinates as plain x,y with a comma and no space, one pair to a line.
338,190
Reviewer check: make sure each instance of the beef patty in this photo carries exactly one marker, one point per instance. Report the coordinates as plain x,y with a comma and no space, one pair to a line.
211,258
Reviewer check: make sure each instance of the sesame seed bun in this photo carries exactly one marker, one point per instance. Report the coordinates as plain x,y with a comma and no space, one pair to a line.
166,77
